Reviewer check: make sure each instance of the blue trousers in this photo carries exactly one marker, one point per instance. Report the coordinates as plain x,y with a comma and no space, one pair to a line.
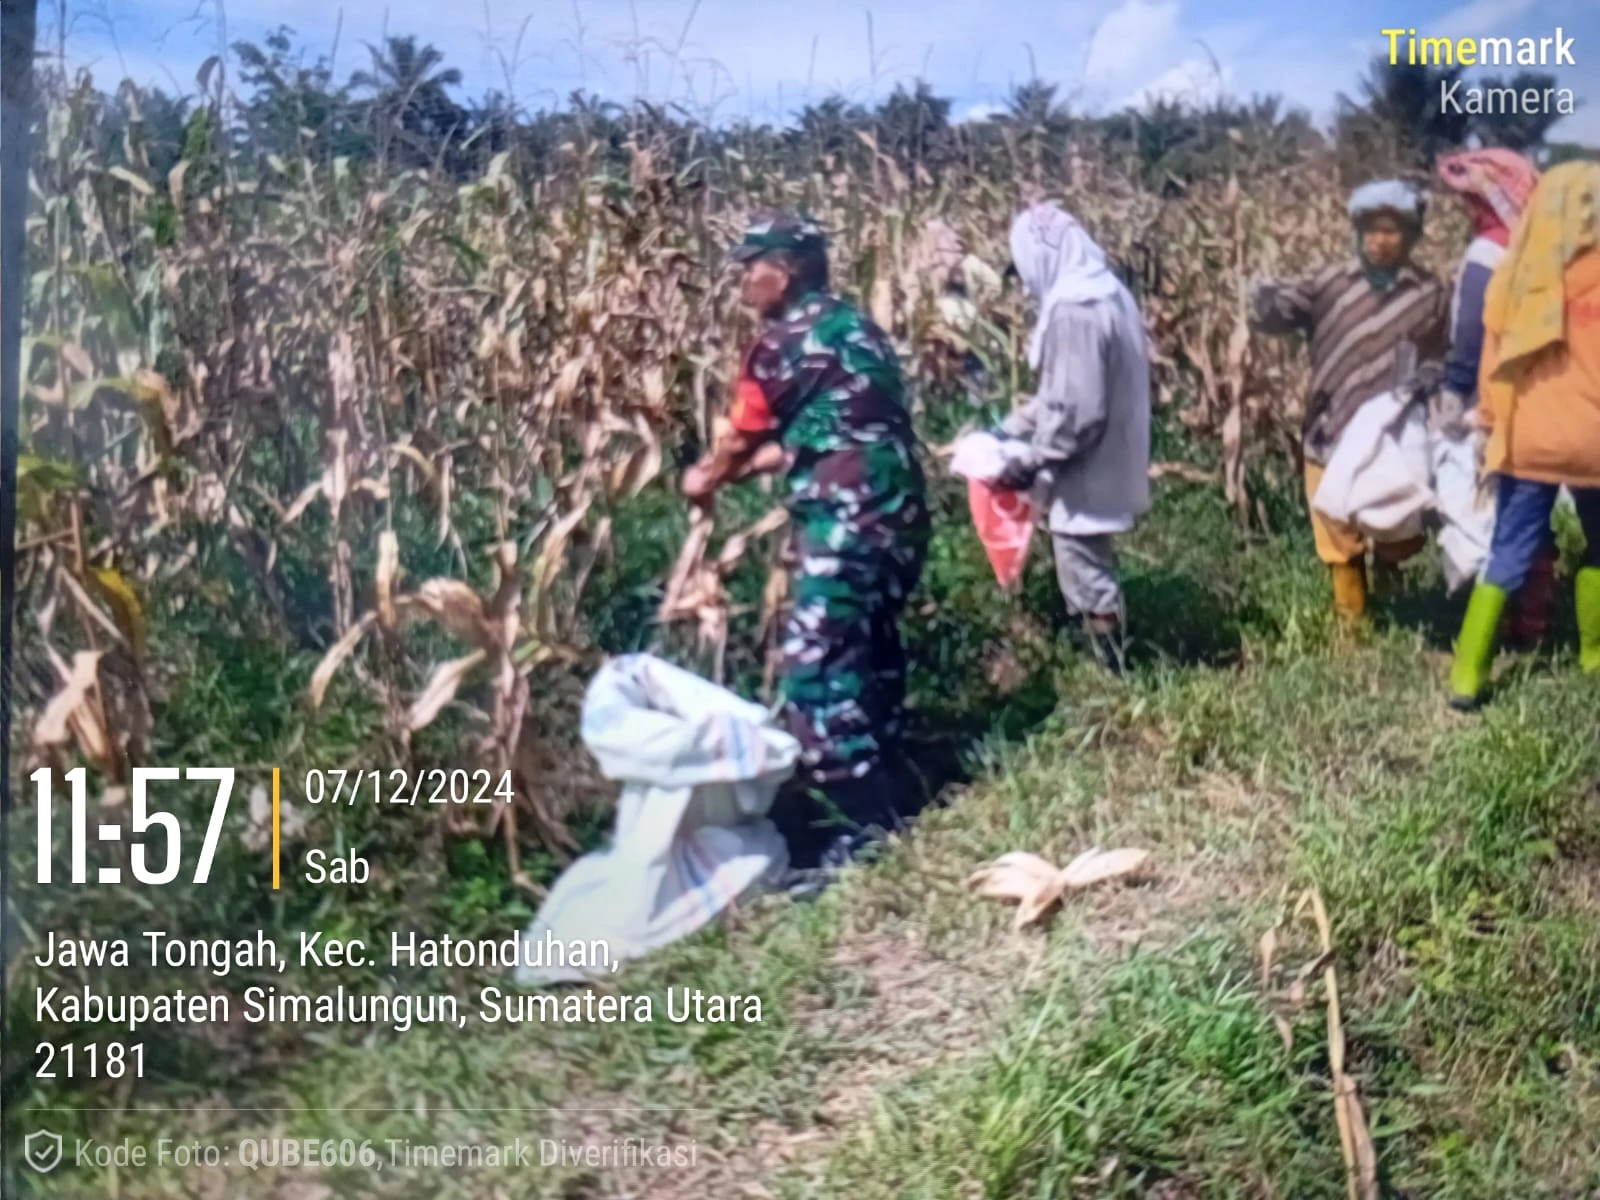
1522,528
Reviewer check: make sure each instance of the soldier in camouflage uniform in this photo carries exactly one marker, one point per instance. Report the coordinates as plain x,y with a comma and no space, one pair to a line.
821,393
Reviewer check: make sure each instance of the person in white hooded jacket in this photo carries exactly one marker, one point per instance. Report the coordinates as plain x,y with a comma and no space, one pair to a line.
1088,424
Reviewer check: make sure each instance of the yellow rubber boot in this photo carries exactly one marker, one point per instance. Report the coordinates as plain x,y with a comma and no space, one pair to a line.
1469,674
1588,589
1349,590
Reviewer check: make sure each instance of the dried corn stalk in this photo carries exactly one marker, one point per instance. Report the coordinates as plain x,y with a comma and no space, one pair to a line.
1355,1142
695,588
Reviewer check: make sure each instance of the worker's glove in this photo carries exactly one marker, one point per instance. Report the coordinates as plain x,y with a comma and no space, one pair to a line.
1448,413
1018,474
1424,380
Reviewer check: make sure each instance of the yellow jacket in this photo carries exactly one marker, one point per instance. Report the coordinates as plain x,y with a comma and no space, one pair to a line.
1539,379
1544,423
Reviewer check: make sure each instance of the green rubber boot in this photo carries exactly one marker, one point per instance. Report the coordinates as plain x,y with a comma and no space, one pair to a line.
1588,589
1475,646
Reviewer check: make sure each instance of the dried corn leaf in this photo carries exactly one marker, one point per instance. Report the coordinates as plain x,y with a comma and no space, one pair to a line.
137,182
632,474
1361,1157
882,303
599,544
79,713
342,383
302,502
457,607
336,479
1355,1142
1233,457
334,658
553,551
388,571
87,606
1269,948
53,729
734,549
1185,471
772,596
410,452
654,382
685,570
441,689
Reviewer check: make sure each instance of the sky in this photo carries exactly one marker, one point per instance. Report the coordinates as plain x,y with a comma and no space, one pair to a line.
760,59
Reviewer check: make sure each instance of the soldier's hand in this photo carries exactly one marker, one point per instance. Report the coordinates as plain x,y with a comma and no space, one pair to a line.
769,458
699,487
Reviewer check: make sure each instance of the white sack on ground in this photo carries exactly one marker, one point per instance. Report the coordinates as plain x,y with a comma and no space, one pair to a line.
1466,511
1378,477
699,768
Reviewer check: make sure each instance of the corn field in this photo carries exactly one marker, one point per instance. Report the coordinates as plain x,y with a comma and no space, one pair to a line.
394,419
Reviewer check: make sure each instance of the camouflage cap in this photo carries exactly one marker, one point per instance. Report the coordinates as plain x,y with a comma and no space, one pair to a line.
768,232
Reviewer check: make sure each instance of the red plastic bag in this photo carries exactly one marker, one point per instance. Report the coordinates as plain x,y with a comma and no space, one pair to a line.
1004,521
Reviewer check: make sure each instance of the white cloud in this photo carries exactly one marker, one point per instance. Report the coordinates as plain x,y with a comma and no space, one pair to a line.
1128,36
1197,80
981,112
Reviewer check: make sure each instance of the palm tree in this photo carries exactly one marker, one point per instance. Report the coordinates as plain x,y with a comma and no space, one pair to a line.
286,97
1517,130
912,122
1400,116
830,126
409,107
1033,105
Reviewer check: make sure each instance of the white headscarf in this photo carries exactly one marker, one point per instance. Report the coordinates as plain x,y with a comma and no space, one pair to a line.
1059,264
1394,195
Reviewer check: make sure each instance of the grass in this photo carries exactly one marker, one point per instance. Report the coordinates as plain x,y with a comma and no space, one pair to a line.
912,1046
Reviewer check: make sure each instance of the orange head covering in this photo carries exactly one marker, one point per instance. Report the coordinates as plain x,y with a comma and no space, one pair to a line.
1496,183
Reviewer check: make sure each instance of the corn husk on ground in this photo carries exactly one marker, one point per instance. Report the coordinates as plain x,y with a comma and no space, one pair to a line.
1037,886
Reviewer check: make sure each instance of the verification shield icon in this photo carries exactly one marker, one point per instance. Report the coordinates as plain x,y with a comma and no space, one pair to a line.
42,1149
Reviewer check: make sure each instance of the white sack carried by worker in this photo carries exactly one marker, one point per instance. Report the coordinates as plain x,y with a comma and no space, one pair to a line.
699,768
1466,510
982,455
1378,477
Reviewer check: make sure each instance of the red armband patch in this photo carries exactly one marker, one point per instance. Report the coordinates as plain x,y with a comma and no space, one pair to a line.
750,413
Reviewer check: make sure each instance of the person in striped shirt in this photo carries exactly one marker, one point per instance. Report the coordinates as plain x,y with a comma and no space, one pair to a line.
1375,322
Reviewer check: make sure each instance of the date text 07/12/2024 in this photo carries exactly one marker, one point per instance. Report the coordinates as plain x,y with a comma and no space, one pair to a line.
397,786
